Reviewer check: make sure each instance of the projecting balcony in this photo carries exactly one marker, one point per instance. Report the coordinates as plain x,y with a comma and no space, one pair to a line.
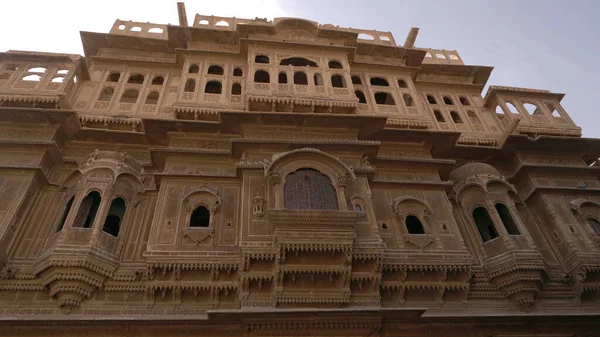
300,227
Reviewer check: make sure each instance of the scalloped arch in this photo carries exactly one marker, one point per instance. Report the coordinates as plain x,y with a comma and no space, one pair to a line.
402,199
279,158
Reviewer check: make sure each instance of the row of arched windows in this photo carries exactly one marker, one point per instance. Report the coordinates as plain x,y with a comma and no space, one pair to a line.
135,78
384,98
297,62
448,101
379,81
88,209
214,70
129,96
485,224
300,78
212,87
531,108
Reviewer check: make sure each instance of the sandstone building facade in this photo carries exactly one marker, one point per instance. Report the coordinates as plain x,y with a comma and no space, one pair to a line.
235,177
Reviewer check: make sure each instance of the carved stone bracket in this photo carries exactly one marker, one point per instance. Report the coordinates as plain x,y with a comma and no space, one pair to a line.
198,234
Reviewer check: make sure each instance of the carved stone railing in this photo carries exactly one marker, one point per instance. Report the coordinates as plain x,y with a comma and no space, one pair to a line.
297,219
107,242
494,247
78,236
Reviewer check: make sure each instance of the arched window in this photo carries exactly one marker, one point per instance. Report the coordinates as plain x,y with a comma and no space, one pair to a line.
130,96
300,78
413,225
309,189
499,110
297,62
190,85
63,218
106,94
337,81
356,80
282,78
158,80
215,70
448,100
261,59
200,217
318,79
58,79
402,84
474,119
152,98
361,96
384,98
532,108
236,89
32,78
512,108
507,220
595,224
379,81
484,223
37,70
213,87
464,101
237,72
431,99
335,65
456,117
113,77
438,116
261,76
136,79
87,210
115,215
408,100
194,69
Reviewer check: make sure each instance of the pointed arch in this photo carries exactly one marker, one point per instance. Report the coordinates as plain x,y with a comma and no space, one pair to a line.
261,76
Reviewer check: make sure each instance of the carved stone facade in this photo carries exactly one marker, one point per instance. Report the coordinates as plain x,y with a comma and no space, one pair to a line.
267,178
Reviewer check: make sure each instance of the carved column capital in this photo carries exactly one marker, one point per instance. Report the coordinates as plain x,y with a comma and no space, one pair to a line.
274,178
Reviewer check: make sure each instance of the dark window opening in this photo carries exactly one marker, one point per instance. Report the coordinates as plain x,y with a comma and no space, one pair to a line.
200,217
337,81
116,212
384,98
194,69
464,101
408,100
413,225
213,87
261,76
152,98
106,94
438,116
190,85
237,72
484,223
356,80
456,117
300,78
335,65
474,119
402,84
63,218
431,99
236,89
130,96
379,81
595,224
318,79
448,101
361,96
158,80
309,189
282,78
297,62
215,70
507,220
87,210
136,79
261,59
114,77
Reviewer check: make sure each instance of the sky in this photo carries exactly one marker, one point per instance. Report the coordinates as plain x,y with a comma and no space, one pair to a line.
541,44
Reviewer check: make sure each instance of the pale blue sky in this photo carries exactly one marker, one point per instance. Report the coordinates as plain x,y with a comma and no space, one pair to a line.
542,44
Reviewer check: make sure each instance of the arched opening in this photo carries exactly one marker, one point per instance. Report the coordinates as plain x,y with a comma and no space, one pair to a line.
595,224
62,71
357,208
512,108
261,59
136,29
200,217
464,101
379,81
337,81
87,210
309,189
300,78
431,99
158,80
318,79
136,79
507,220
356,80
456,117
402,84
63,217
408,100
32,78
364,36
499,110
282,78
114,77
361,96
532,109
155,30
297,62
106,94
116,212
335,65
215,70
484,224
190,85
236,89
57,79
37,70
448,100
261,76
554,111
438,116
213,87
413,225
237,72
130,96
222,24
152,98
194,69
474,119
384,98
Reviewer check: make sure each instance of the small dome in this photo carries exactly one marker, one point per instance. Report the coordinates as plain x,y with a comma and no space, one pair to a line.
471,169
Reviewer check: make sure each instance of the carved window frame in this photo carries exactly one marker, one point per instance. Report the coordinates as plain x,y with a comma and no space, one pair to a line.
407,206
201,197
